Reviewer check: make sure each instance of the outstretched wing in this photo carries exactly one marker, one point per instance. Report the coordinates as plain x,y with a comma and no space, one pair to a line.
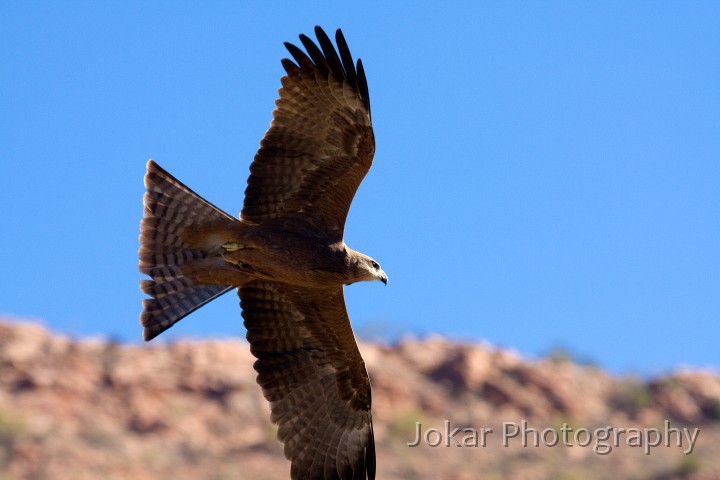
311,372
320,143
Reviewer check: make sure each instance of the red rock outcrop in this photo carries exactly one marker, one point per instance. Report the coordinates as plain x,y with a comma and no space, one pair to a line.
88,409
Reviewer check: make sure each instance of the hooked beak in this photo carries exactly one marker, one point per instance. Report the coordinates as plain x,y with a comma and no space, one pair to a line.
384,278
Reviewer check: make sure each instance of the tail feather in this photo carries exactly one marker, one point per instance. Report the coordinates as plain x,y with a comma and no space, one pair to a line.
166,257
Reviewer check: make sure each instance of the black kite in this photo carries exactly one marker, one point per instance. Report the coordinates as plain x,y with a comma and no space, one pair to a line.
286,257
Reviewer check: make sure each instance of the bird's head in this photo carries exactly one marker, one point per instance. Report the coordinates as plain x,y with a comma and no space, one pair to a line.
365,268
377,272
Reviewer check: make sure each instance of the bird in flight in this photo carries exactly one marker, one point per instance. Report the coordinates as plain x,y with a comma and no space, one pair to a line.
287,258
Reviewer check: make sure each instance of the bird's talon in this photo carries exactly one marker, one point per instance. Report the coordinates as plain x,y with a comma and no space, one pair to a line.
232,247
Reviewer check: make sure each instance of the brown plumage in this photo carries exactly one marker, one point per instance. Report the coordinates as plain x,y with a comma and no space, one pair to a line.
287,258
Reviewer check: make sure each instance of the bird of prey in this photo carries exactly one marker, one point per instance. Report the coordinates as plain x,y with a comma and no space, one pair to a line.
286,257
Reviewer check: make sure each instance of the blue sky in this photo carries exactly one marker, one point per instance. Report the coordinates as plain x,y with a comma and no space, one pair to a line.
547,173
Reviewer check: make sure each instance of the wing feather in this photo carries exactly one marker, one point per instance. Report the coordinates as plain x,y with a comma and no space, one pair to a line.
347,60
303,61
319,146
333,59
311,372
316,55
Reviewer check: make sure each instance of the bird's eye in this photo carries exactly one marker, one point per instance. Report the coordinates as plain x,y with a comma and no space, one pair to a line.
375,265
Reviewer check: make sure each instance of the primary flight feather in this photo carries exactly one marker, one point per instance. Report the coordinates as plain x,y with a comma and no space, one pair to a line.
287,258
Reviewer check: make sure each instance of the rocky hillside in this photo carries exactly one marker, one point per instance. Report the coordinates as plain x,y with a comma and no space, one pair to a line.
92,409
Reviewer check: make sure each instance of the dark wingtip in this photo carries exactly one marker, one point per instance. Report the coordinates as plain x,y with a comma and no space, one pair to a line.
370,459
346,57
363,86
149,334
328,58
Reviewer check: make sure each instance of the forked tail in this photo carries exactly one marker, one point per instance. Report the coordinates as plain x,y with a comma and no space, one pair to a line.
166,256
